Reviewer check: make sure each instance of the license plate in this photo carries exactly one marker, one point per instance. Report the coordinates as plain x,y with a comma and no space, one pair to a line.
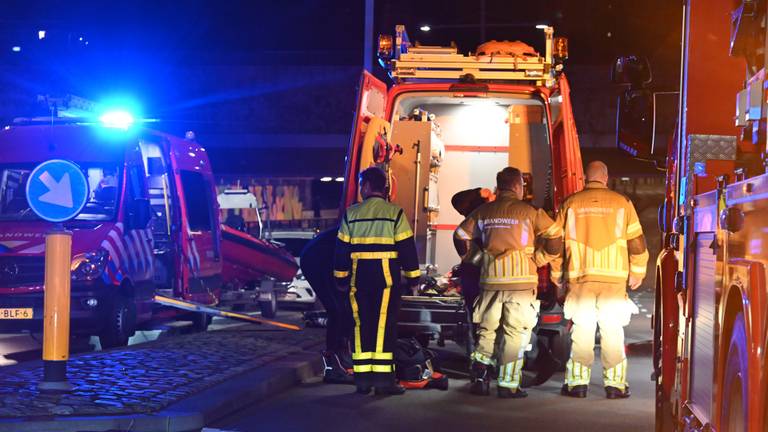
15,313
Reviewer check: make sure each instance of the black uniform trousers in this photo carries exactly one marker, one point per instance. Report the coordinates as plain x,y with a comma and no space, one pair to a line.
375,299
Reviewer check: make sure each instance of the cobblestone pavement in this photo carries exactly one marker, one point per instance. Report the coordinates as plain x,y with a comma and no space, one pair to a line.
148,377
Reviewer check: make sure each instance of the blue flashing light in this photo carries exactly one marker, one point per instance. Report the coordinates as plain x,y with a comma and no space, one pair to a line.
117,119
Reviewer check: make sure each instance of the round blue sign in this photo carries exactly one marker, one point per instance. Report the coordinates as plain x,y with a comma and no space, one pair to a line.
57,190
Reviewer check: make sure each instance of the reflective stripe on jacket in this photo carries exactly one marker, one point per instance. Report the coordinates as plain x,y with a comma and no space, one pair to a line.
603,238
375,229
506,231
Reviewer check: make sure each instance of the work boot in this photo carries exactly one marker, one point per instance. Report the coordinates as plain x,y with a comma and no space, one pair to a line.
390,390
617,393
335,372
481,380
579,391
508,393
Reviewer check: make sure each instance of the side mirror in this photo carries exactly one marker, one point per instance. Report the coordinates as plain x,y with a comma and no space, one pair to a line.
634,123
139,213
631,70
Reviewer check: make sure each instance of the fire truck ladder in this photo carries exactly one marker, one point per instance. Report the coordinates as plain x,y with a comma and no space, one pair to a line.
197,307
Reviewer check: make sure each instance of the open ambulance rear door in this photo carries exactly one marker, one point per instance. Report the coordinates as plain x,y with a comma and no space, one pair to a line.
369,118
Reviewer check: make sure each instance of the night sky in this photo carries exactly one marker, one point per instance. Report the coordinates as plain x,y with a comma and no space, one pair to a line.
135,49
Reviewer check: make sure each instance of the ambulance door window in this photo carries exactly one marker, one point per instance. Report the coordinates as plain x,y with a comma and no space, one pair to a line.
197,197
160,193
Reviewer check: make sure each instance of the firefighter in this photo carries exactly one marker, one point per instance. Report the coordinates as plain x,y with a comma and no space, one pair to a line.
604,245
317,267
375,243
514,239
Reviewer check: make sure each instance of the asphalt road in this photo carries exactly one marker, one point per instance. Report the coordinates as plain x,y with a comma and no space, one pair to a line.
314,406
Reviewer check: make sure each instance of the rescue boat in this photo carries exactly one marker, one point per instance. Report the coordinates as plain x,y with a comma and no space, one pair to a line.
249,259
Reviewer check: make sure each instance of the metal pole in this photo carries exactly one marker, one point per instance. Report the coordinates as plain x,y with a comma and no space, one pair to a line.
58,255
416,194
368,37
482,21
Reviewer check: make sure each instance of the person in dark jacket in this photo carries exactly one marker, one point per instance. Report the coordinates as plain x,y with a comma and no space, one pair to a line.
465,202
317,267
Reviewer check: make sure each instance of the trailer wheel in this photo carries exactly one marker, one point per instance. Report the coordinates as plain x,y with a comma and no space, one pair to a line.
268,307
734,410
120,323
200,322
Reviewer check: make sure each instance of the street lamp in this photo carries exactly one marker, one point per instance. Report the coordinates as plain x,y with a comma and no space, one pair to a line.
425,28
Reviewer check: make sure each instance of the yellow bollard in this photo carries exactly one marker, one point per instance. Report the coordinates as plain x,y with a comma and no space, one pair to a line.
58,256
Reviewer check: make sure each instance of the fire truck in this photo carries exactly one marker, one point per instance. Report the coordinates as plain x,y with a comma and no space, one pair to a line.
711,301
449,123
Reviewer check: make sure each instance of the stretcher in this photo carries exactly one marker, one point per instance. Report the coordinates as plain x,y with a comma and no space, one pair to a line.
437,318
197,307
442,318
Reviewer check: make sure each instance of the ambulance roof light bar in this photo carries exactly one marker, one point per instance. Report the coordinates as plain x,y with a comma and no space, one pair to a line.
71,109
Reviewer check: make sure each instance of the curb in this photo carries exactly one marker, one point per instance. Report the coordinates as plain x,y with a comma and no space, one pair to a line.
192,413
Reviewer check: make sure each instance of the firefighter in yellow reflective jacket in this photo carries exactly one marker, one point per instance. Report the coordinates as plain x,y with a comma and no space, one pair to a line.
514,239
375,243
604,245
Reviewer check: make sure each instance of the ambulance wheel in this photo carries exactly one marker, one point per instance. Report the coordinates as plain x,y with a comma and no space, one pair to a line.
734,411
120,323
268,307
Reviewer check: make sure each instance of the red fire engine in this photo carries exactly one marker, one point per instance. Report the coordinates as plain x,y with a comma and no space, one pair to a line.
711,303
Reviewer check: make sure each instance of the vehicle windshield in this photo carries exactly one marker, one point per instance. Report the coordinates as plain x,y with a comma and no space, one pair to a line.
103,181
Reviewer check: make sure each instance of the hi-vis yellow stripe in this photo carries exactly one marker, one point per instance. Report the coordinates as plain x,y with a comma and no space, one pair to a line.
355,310
340,274
373,255
372,356
384,306
373,368
553,231
412,274
403,235
373,240
343,237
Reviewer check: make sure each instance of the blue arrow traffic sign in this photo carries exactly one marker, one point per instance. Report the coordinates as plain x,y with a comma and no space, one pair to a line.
57,190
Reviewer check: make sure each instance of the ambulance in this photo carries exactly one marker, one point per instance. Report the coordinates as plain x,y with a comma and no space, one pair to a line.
150,226
450,122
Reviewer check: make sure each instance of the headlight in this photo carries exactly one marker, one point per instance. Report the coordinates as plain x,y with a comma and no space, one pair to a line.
89,266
